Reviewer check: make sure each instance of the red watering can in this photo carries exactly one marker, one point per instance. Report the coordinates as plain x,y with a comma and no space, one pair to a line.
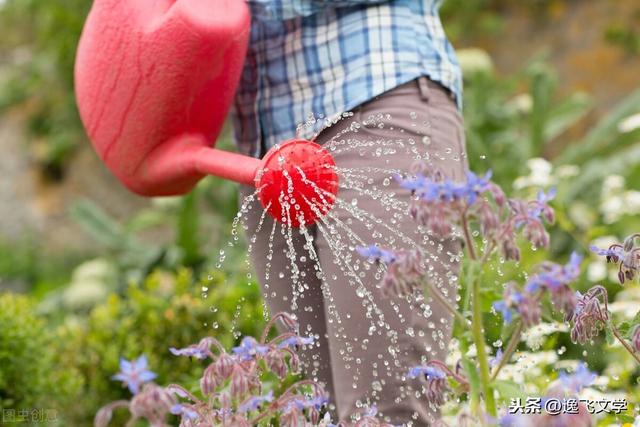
154,82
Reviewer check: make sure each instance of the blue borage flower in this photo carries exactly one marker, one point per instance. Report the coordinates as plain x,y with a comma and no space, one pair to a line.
302,402
134,373
613,253
436,382
429,372
198,351
255,402
184,411
554,276
626,255
495,361
376,253
249,348
589,317
447,189
539,209
635,338
296,341
507,306
582,377
556,279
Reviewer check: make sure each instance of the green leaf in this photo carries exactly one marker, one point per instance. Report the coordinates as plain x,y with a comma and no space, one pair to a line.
99,224
596,170
601,135
509,390
566,114
625,418
611,339
188,220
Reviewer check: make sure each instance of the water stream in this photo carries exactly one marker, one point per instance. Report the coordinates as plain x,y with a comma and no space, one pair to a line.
386,222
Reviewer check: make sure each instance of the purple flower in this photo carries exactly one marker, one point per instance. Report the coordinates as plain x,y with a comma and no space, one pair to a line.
525,304
254,402
476,185
249,349
371,411
512,299
502,307
556,278
541,208
429,372
589,318
404,274
296,340
302,402
134,374
626,255
198,351
582,377
436,382
413,184
613,254
495,361
184,411
516,420
553,275
377,254
635,339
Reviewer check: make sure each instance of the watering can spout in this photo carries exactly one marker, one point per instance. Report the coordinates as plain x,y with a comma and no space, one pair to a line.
154,81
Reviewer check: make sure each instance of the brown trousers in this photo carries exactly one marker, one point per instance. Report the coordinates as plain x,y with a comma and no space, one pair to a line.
366,343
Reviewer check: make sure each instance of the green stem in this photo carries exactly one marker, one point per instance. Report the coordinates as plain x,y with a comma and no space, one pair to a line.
474,389
624,342
478,338
435,293
511,347
467,238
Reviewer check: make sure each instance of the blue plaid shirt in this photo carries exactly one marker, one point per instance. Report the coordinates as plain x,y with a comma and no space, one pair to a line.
326,57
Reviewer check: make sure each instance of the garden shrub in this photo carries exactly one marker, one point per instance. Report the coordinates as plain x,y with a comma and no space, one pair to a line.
30,377
164,311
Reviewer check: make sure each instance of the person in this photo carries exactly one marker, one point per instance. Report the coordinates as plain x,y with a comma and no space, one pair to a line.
388,63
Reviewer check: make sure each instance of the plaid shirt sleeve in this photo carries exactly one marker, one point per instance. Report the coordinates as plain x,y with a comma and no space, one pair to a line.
288,9
309,61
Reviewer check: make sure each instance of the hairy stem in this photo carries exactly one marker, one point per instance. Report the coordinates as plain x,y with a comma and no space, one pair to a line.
467,237
624,342
511,347
478,338
474,390
435,292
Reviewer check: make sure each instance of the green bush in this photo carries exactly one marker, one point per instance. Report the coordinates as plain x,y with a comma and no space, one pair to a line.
164,311
30,377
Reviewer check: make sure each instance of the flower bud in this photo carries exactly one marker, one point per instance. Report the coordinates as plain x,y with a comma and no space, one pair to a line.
210,380
635,339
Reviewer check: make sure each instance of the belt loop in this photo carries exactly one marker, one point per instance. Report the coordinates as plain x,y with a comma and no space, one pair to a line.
423,85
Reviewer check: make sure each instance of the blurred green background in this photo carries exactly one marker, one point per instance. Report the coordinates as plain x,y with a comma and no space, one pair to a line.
90,272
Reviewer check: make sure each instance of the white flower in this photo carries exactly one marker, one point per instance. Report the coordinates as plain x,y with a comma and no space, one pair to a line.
612,183
615,201
597,271
534,337
474,60
540,175
626,309
522,103
629,124
567,171
454,352
581,215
